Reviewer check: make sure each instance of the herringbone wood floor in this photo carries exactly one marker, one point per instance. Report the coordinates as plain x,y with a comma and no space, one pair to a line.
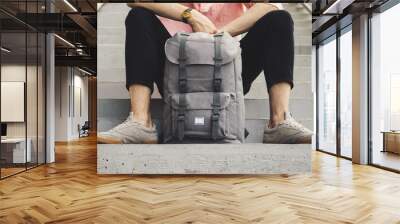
70,191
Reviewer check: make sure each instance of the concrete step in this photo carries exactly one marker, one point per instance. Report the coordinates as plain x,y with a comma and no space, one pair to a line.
302,74
302,60
305,31
296,8
114,38
302,40
302,79
113,15
303,50
300,108
113,63
298,11
298,15
255,127
203,159
305,23
300,91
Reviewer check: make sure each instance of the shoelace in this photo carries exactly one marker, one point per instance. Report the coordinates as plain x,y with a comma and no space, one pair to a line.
293,123
123,124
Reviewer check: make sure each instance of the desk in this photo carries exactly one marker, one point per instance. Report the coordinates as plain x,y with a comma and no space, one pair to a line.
13,150
391,141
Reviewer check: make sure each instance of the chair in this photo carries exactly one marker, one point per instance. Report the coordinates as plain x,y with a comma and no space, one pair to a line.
84,130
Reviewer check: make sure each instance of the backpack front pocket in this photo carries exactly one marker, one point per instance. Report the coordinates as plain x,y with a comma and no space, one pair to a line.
198,117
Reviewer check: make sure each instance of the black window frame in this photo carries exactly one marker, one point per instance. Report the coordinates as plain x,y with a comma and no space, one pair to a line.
30,29
381,9
333,37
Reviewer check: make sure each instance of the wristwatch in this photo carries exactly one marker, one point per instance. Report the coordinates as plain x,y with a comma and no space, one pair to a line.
186,15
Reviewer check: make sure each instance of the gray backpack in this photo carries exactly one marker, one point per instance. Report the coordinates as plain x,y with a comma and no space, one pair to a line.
203,92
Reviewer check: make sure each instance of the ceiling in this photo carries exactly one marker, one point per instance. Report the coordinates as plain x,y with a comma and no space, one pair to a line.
74,21
331,15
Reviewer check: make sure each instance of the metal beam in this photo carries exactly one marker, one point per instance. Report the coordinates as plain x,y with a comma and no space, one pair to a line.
331,28
81,61
49,22
86,27
320,22
80,20
338,6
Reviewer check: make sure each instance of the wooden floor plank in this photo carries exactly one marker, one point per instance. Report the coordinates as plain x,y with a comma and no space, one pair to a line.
70,191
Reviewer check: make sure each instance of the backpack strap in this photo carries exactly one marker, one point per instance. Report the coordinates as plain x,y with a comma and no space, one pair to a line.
182,86
216,86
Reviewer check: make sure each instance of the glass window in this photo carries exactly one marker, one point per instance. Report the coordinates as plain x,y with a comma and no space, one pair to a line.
41,79
385,89
22,91
327,96
15,149
31,96
346,94
32,88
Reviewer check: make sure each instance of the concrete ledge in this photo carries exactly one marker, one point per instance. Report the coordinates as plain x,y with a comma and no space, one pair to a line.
203,159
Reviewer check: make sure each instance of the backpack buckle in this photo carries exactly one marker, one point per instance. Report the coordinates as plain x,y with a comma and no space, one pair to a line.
181,117
182,59
215,113
215,117
218,61
182,85
217,84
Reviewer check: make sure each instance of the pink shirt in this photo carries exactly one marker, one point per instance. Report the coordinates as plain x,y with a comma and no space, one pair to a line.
219,13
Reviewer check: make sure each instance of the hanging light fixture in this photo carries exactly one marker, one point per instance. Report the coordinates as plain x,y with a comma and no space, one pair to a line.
337,7
70,5
5,50
64,40
84,71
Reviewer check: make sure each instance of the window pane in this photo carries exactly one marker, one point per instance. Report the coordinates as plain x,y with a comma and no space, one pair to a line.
385,84
327,97
31,97
346,93
41,98
15,150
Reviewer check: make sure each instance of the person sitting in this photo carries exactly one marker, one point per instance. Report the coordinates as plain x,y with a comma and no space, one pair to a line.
268,46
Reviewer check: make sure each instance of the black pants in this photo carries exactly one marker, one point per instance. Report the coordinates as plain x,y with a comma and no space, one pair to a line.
267,46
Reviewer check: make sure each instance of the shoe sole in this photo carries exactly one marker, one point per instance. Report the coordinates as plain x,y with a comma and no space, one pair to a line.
110,140
150,142
299,141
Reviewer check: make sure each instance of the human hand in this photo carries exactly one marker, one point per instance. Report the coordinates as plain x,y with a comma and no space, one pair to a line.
223,30
200,23
229,29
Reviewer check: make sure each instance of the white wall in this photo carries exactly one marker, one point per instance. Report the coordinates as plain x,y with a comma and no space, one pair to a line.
70,81
111,56
62,80
33,126
15,73
80,84
385,70
314,90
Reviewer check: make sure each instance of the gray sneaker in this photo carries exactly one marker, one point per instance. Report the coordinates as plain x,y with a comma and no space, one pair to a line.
129,132
288,131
